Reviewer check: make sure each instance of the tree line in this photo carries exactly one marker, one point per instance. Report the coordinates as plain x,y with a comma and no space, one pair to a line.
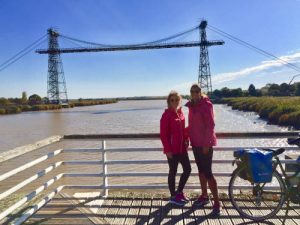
24,100
271,89
37,103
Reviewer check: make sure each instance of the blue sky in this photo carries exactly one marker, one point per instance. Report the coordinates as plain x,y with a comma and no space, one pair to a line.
270,24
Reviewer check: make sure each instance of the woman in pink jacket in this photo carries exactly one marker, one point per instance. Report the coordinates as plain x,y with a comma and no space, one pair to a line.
175,142
203,138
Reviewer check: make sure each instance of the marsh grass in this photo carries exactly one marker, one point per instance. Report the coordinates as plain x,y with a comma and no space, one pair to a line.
93,102
277,110
14,109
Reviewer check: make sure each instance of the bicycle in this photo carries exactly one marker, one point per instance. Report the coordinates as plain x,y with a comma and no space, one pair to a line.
260,201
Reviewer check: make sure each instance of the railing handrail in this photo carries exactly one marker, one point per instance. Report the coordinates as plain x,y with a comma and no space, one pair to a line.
30,164
220,135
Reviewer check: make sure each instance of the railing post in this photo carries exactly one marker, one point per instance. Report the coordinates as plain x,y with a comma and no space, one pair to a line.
104,168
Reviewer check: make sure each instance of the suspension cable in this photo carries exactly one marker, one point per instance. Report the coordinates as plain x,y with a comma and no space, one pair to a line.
23,52
72,42
254,48
140,44
29,46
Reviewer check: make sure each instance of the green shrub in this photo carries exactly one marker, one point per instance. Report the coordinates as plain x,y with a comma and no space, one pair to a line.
35,108
2,111
265,110
291,119
26,108
13,110
280,110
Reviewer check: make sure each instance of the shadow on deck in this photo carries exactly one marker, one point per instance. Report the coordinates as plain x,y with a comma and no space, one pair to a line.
140,209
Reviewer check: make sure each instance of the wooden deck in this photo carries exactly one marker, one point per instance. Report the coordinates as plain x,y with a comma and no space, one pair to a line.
140,209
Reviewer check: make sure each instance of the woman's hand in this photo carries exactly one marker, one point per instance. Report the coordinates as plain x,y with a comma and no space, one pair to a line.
169,155
186,144
205,150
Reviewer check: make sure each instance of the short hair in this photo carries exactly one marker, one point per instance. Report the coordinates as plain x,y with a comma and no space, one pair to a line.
171,94
196,85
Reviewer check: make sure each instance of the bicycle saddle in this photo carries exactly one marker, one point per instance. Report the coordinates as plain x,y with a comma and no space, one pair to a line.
275,151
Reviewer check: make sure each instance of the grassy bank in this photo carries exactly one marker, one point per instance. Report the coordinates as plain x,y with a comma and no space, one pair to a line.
277,110
79,103
14,108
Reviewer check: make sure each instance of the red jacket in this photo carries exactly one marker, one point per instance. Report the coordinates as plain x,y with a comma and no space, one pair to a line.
201,123
172,131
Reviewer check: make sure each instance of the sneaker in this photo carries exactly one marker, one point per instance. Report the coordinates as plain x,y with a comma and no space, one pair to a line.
201,201
216,212
183,197
177,200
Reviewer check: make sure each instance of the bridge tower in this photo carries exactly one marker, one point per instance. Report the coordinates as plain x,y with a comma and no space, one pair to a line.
204,78
57,90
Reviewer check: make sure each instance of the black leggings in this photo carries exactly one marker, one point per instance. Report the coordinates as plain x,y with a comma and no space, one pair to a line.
184,160
204,161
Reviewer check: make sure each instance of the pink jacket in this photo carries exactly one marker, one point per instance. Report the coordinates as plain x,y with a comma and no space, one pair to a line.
201,123
172,131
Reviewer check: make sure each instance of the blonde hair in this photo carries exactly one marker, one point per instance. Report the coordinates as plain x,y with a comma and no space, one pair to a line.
171,94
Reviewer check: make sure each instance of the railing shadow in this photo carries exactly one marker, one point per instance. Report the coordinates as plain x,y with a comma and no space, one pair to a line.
158,213
68,209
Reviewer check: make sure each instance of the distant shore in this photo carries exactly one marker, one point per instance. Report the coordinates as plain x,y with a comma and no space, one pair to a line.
16,108
141,98
283,111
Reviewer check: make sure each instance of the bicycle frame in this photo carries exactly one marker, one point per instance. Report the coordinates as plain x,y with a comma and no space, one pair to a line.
291,188
287,178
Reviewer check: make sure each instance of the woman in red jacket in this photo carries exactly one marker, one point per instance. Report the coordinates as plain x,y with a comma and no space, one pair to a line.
175,143
203,138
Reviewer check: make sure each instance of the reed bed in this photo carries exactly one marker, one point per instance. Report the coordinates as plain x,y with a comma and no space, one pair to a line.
276,110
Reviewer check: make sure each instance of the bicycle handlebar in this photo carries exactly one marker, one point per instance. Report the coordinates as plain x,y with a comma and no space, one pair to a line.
292,141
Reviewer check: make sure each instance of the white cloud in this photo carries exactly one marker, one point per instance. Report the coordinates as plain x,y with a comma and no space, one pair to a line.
262,67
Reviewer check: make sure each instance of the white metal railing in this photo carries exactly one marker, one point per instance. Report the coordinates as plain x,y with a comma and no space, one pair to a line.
104,163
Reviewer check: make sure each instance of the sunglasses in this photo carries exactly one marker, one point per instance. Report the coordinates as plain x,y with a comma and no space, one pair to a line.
174,100
195,91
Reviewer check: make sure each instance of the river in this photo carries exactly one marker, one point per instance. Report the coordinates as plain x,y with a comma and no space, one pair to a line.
122,117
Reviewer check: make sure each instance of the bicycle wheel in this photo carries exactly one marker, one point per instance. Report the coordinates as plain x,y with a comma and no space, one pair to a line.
256,201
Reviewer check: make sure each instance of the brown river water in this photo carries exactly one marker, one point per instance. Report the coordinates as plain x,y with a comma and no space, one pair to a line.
121,117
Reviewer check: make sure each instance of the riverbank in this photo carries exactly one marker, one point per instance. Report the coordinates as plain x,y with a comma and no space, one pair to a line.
79,103
14,108
283,111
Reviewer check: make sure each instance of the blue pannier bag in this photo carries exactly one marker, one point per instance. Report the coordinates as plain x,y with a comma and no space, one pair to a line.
258,164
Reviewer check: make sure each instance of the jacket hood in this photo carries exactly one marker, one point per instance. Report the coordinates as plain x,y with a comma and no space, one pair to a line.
204,99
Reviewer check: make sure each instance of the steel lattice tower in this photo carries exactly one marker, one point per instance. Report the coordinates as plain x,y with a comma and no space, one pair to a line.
204,78
57,90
